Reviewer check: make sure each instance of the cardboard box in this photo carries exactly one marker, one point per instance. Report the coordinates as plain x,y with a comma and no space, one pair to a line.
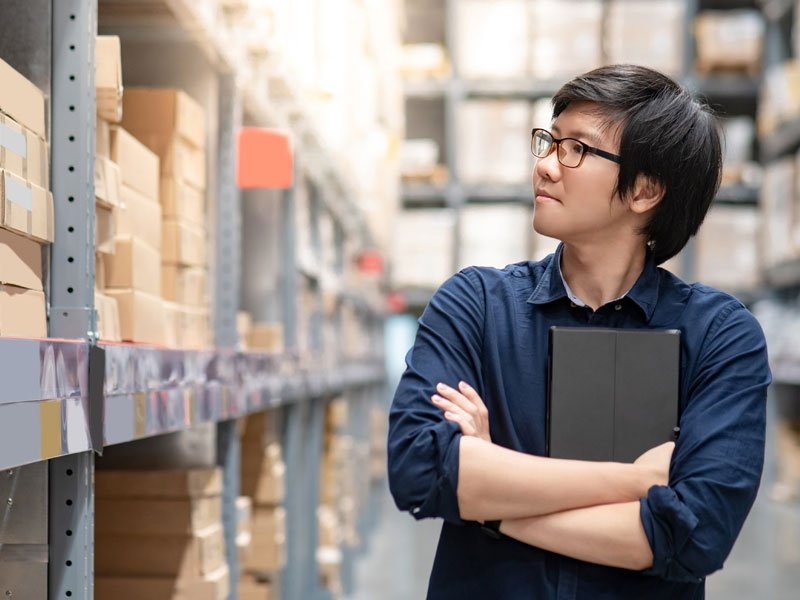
108,77
252,589
631,38
135,265
104,229
184,285
495,124
138,166
555,56
181,202
268,548
172,318
20,261
163,112
107,182
168,483
479,244
215,586
102,140
23,153
261,435
100,271
158,516
179,160
726,252
730,39
182,557
183,244
244,324
266,337
194,331
21,100
139,217
265,483
492,35
27,208
22,313
141,316
107,318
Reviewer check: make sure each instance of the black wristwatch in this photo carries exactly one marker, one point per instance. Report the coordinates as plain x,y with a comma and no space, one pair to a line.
492,529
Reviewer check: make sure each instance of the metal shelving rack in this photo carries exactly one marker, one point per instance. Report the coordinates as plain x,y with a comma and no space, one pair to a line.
71,396
732,93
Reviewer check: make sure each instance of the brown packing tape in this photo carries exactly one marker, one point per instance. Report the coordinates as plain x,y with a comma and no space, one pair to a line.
139,413
50,419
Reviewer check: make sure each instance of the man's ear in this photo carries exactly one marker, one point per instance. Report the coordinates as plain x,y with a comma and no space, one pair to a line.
647,193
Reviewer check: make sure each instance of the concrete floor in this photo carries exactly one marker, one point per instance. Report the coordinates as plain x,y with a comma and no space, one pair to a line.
764,564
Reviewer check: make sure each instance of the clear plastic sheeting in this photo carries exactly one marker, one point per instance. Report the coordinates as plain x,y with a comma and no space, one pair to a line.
44,403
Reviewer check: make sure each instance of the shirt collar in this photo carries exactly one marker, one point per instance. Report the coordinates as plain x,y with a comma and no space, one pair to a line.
552,286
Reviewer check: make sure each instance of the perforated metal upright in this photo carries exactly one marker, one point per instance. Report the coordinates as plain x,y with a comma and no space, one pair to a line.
228,260
71,498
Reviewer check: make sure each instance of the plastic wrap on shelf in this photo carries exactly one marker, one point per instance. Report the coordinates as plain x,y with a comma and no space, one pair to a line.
423,248
778,196
44,405
738,164
779,101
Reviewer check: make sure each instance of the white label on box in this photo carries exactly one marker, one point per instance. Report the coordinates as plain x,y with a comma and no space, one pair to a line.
19,193
13,140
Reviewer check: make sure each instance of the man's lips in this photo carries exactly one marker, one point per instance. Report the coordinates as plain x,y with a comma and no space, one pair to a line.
542,196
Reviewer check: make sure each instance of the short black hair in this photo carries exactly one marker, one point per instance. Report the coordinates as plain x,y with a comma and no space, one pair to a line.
666,134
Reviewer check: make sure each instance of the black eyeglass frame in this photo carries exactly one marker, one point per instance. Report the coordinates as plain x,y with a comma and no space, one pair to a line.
587,149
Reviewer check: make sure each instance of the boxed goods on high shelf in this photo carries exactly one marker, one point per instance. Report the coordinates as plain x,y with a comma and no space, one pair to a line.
26,205
158,534
779,242
490,37
263,480
494,235
424,61
729,40
738,166
107,179
556,56
423,248
502,126
344,486
779,102
727,249
631,38
172,125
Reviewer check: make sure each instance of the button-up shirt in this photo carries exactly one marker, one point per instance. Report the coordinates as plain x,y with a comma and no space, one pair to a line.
489,327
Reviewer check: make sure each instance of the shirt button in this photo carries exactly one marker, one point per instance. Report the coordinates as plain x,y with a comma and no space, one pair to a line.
572,304
618,307
415,510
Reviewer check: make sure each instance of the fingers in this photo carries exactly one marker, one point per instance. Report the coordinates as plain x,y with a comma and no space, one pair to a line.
467,428
457,398
471,395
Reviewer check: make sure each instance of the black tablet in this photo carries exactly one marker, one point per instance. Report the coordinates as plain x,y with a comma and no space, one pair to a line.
612,393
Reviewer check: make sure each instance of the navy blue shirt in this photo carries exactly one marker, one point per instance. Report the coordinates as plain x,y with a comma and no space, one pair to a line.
489,327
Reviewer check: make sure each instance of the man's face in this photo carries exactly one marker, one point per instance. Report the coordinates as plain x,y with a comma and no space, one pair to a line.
580,204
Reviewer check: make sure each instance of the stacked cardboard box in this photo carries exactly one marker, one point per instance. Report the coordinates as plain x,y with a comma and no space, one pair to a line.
379,431
107,179
423,248
630,36
172,125
729,40
26,206
158,534
264,482
779,101
494,236
726,252
777,203
554,55
491,37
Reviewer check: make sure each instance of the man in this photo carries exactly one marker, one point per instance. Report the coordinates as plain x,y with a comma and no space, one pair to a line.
624,178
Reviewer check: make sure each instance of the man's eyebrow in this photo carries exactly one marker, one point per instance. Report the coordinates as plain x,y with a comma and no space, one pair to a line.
591,137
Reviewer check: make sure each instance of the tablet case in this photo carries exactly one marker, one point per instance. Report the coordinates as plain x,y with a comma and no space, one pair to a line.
613,393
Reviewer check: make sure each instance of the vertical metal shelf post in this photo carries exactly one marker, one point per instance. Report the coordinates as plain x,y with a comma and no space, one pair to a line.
453,98
71,497
228,260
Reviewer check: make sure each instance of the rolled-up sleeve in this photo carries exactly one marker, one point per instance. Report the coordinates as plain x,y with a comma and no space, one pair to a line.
716,469
422,446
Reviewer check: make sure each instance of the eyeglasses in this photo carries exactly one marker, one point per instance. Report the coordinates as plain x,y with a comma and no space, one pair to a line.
571,152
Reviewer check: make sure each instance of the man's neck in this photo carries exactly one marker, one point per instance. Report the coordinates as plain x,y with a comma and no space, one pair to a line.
599,274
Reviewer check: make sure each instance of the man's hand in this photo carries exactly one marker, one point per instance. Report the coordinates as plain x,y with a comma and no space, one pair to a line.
656,463
465,407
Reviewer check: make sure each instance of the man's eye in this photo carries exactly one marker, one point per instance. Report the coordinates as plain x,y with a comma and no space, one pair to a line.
575,148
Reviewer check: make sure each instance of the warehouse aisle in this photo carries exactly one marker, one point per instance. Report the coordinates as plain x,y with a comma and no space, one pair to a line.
765,563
